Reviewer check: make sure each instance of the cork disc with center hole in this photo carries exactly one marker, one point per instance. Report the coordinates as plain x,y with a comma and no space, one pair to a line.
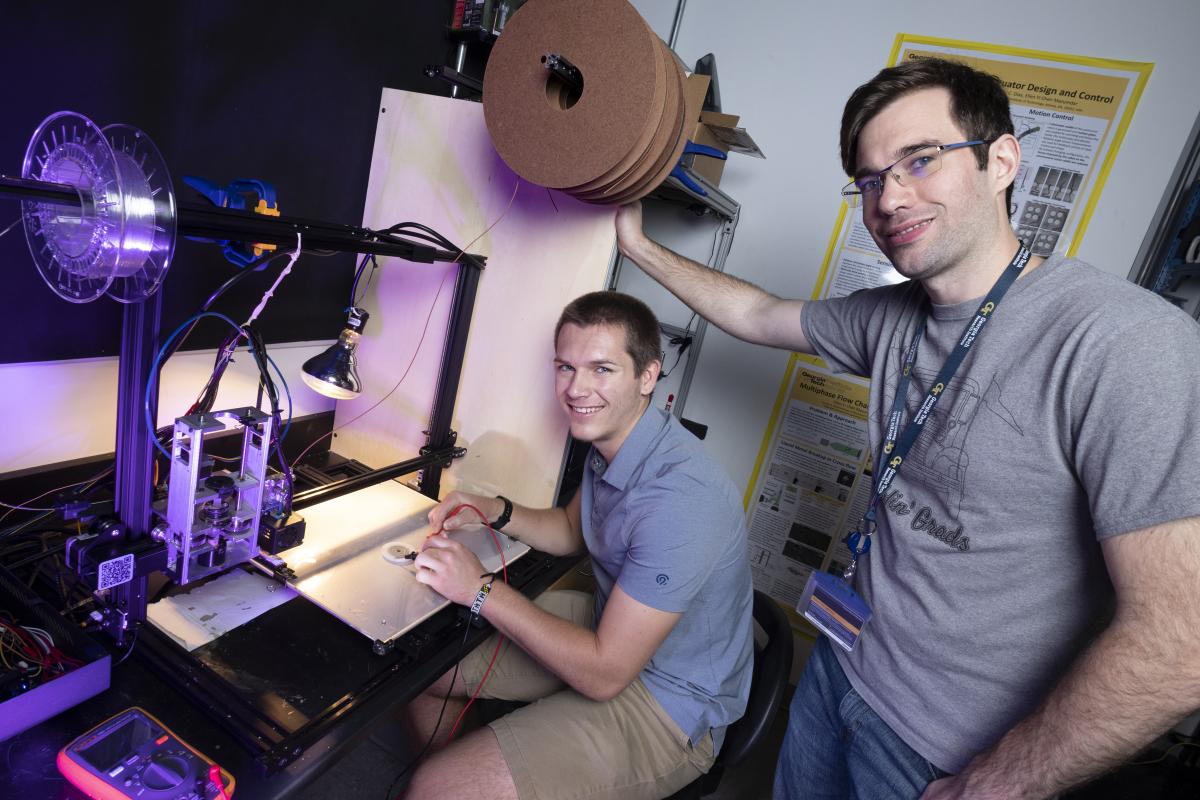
540,129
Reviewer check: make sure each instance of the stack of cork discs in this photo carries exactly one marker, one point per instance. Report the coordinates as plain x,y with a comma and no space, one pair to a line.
611,141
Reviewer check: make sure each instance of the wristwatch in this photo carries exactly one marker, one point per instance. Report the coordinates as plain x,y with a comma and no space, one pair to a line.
505,515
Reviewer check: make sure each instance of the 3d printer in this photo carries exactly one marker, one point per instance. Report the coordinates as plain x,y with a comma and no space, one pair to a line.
100,217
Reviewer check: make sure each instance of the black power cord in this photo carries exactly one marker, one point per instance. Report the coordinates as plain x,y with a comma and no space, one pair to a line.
683,341
453,676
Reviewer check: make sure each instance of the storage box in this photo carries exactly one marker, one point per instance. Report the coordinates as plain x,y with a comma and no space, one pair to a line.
713,129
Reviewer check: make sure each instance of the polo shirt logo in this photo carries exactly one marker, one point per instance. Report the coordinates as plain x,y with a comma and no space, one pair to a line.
662,579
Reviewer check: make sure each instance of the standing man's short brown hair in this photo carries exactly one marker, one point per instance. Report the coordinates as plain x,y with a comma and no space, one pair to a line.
978,104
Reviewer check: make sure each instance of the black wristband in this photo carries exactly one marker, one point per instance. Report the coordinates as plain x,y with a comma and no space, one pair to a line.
505,515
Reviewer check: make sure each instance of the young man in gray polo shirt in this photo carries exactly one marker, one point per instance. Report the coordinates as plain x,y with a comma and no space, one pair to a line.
635,689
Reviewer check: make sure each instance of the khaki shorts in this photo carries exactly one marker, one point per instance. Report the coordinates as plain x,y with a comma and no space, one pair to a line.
564,745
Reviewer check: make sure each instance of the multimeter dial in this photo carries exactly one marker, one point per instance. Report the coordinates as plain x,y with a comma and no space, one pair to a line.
166,772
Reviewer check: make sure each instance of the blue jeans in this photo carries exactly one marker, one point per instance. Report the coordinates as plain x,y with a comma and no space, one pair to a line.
837,747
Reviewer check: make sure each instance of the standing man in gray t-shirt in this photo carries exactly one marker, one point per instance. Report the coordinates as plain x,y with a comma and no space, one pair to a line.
635,688
1035,575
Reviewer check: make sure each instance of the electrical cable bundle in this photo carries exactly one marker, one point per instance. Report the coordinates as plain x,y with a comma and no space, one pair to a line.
208,395
28,657
257,346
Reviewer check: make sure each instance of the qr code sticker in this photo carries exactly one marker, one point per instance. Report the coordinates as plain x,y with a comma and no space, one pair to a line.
115,572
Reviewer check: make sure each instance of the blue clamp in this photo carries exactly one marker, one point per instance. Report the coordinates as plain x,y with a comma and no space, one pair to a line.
234,196
680,172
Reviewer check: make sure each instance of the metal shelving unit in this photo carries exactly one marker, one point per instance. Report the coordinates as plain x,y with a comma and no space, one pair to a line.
727,212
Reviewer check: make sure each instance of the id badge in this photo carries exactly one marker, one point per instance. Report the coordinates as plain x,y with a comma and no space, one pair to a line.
834,608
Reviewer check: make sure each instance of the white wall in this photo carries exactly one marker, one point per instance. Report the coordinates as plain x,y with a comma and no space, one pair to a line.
787,69
61,410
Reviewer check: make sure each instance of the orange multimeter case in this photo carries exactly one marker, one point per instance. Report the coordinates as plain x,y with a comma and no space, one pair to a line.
133,755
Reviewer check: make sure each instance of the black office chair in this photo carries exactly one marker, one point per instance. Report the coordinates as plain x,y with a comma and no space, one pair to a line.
768,688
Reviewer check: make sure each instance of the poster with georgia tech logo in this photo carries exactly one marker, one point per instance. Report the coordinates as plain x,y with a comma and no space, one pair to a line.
812,479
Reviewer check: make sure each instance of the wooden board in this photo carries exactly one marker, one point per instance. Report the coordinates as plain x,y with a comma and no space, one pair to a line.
433,163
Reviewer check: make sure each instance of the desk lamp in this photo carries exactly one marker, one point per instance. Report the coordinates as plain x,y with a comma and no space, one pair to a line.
333,373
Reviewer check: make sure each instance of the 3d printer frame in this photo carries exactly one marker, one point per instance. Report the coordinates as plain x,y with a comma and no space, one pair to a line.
125,604
274,747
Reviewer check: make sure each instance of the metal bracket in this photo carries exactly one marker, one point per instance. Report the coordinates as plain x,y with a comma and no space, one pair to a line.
453,77
712,198
455,452
280,572
568,72
451,435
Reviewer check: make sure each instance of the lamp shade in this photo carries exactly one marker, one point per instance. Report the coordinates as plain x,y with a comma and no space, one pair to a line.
334,372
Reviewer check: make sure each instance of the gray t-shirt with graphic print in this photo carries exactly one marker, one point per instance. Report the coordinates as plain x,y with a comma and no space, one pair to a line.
1072,419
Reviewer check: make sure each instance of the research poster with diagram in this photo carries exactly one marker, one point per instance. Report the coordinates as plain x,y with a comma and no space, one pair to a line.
1069,113
812,479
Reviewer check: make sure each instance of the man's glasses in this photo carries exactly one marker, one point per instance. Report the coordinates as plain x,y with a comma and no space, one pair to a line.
915,166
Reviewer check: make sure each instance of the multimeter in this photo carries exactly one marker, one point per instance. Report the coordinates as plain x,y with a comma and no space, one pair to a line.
133,755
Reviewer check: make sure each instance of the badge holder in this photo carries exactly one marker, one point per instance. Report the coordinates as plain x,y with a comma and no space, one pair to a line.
832,606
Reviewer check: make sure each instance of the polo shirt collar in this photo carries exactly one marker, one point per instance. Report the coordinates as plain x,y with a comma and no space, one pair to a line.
634,450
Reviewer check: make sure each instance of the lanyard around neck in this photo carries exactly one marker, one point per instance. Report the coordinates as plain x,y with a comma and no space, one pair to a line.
896,444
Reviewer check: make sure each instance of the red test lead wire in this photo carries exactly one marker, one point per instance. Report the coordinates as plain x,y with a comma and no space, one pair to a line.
499,636
214,777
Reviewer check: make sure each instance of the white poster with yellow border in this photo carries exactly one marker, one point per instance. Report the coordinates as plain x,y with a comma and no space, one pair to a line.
812,480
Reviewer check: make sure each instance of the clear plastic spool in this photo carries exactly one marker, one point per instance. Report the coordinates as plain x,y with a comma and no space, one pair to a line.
121,236
148,207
